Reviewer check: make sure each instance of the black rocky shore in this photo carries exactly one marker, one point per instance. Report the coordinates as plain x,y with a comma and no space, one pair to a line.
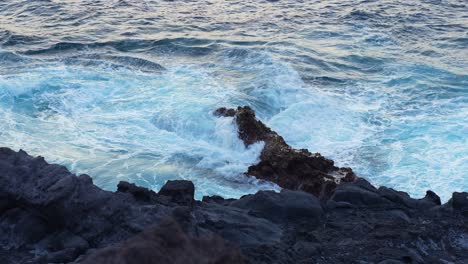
324,214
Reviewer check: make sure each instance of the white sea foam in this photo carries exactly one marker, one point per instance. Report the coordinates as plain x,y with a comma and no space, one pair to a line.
118,124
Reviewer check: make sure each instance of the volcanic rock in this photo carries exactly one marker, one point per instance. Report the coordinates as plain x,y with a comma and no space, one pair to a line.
167,243
180,192
48,215
286,206
293,169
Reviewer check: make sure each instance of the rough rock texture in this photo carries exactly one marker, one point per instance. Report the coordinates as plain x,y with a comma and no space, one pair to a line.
53,216
48,215
180,192
167,243
289,168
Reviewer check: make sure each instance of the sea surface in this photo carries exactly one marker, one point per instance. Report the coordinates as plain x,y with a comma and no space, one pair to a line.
124,90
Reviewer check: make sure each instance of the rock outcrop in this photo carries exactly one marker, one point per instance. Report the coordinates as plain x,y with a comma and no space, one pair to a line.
293,169
48,215
167,243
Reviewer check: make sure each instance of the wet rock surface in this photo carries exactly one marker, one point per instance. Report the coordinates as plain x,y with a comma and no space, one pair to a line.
48,215
293,169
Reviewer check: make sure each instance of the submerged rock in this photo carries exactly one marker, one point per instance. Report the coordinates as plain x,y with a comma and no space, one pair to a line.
293,169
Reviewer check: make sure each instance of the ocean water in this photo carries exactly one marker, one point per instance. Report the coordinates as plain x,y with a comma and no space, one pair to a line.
124,90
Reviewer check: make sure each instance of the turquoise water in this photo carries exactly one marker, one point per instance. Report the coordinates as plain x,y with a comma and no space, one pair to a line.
124,90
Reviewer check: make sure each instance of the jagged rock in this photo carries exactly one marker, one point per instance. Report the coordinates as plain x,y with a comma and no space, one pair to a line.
362,194
357,195
459,202
167,243
223,111
213,198
391,261
287,206
432,197
48,215
289,168
180,192
139,193
40,201
236,225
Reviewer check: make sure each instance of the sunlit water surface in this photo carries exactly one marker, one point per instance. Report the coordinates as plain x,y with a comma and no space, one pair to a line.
124,90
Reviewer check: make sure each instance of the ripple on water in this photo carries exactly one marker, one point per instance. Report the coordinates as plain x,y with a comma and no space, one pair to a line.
124,90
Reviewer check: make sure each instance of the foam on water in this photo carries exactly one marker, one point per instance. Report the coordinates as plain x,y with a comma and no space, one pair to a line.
127,94
124,125
411,139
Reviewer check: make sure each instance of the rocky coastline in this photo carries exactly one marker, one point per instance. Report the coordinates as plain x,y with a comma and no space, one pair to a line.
324,214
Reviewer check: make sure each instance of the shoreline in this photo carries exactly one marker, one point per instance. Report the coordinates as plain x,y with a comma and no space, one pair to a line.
49,215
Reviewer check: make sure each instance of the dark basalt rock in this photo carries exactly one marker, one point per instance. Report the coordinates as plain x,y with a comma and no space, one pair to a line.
180,192
286,206
57,215
290,168
139,193
223,111
48,215
362,194
459,202
167,243
432,197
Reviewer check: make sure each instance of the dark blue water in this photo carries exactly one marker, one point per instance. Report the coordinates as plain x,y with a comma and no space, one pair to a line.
123,90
